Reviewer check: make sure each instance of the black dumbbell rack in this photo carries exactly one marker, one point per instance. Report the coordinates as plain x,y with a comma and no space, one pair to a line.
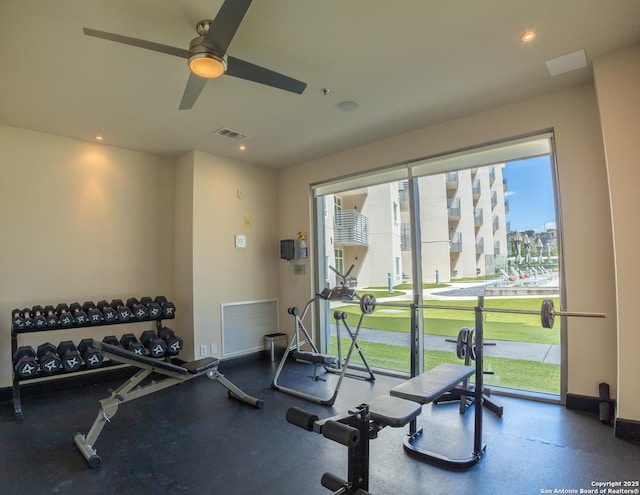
15,332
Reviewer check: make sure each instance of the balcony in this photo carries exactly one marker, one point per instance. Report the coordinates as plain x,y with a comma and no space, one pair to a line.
350,228
405,237
475,187
492,175
494,200
505,185
451,180
453,209
506,206
455,243
403,195
478,217
496,247
480,245
496,223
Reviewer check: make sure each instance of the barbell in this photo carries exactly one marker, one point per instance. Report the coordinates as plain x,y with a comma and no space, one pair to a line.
547,311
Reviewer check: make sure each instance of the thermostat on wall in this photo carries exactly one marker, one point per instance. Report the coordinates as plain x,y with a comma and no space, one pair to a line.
241,241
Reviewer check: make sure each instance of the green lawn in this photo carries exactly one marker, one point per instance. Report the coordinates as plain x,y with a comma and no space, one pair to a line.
511,373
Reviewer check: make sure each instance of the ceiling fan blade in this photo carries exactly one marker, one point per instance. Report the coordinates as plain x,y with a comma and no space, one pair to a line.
192,91
149,45
251,72
223,28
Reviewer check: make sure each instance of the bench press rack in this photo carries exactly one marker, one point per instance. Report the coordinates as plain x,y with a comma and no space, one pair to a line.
134,388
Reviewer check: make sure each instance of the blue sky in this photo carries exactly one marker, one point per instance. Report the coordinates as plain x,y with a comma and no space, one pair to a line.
530,194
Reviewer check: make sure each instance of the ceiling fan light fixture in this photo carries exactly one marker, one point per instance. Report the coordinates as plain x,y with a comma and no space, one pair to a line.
207,65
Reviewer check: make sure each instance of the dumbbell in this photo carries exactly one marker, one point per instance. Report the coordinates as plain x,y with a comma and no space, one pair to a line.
123,312
69,356
90,355
131,344
64,317
108,313
154,344
24,361
138,310
27,318
78,314
174,343
154,309
17,319
52,318
93,313
168,308
112,340
39,319
49,359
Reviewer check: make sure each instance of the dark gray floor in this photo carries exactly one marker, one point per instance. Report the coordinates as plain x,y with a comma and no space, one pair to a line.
193,439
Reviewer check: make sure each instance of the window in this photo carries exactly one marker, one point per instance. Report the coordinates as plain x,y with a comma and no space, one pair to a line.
339,260
468,240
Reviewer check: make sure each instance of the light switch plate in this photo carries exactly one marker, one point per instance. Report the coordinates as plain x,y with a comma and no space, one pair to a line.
241,241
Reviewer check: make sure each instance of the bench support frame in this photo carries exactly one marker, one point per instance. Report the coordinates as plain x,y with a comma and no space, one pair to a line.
138,386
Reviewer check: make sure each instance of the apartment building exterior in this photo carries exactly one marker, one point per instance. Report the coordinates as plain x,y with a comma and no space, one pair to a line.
462,224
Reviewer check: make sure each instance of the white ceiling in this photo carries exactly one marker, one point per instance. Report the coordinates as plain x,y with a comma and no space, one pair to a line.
409,63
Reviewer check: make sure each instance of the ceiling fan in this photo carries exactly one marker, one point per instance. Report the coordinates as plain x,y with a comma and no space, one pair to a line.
207,54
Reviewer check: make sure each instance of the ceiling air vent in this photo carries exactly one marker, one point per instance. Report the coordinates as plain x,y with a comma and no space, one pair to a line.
231,134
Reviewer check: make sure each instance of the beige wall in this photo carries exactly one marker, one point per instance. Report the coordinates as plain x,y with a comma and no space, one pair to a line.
80,221
617,79
224,192
86,222
573,115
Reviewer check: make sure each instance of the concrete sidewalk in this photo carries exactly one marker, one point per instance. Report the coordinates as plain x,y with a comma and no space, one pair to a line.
515,350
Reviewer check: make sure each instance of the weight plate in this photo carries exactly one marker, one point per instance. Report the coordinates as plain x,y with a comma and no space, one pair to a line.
471,344
543,314
547,313
461,346
368,304
551,316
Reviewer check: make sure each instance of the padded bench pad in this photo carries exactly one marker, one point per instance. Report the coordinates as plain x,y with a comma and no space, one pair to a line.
432,384
315,357
393,411
192,368
201,365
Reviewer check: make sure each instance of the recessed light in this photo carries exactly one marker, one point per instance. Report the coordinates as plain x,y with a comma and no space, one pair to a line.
242,147
528,36
98,138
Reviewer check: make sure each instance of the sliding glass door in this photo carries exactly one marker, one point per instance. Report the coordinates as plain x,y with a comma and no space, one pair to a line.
364,250
445,231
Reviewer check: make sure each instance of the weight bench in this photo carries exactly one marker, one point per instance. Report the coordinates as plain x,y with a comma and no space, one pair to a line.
134,389
427,387
354,430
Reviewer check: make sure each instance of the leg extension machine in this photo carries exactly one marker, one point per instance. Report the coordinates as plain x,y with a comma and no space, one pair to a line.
354,430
